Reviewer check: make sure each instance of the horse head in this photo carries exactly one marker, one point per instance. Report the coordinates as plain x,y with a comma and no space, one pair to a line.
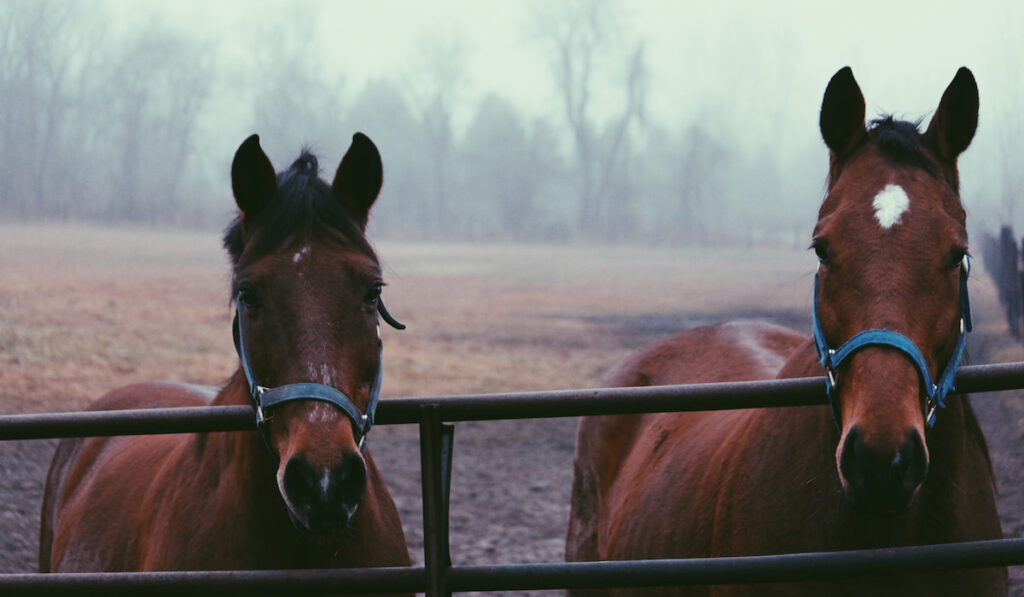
307,286
892,244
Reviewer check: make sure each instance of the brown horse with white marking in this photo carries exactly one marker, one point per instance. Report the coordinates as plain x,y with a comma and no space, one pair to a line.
299,494
891,240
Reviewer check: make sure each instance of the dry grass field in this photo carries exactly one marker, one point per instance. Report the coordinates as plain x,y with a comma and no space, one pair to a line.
84,310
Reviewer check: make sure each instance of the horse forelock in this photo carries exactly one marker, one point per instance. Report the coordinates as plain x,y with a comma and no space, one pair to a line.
303,208
901,142
306,164
903,146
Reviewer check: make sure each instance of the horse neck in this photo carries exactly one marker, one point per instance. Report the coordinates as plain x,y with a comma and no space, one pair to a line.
956,443
235,393
242,455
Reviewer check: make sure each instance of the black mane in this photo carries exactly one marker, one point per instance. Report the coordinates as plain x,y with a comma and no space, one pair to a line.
901,141
303,206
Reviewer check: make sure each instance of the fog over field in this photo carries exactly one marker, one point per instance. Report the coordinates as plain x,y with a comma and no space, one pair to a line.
656,122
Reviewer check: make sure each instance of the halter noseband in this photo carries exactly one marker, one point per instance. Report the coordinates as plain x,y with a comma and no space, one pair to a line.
831,358
265,398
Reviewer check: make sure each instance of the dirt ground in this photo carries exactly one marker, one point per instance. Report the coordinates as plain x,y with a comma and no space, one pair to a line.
84,310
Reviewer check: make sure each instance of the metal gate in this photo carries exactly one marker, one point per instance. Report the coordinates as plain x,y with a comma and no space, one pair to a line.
438,576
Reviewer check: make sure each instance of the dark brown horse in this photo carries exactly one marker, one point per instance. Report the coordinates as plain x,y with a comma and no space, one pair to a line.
891,241
300,494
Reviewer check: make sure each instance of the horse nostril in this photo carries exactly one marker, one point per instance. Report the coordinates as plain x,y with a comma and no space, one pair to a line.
850,457
349,480
300,479
911,462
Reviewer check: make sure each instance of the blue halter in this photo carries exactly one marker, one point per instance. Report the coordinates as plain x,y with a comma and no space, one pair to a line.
265,398
831,359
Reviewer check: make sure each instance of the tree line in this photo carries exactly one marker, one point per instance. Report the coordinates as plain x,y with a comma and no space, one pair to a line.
137,123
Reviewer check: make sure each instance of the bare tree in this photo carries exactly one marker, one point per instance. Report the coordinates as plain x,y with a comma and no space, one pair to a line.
1009,133
94,125
299,96
583,39
162,81
38,42
506,168
381,111
435,85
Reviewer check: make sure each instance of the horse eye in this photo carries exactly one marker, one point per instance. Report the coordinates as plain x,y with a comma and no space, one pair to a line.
956,258
373,293
821,250
249,298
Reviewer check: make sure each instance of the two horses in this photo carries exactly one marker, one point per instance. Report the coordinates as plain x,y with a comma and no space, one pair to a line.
894,462
891,241
304,492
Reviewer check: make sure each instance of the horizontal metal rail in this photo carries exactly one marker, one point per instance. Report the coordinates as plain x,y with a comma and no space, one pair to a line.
140,421
439,577
794,567
251,583
517,405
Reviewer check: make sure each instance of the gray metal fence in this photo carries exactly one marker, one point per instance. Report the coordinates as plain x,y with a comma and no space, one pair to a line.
438,576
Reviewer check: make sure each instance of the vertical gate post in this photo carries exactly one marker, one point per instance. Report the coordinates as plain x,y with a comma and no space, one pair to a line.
436,440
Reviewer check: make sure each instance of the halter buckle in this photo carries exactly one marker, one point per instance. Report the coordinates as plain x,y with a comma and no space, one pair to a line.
260,418
929,418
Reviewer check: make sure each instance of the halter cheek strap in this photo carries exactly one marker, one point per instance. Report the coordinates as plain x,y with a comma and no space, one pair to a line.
265,398
936,392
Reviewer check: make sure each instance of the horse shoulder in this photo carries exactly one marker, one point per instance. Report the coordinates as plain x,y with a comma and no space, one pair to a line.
76,516
163,394
716,353
730,351
632,463
665,454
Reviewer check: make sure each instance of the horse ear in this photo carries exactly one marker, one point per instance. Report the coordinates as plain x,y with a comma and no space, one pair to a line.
842,113
359,177
253,180
955,121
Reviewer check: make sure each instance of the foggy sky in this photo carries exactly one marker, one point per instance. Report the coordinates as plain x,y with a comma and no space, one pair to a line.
761,64
756,70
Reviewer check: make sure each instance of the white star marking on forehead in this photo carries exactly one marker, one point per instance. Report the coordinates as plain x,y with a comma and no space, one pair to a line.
890,205
298,256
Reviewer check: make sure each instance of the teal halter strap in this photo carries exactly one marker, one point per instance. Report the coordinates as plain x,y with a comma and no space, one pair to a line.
936,392
265,398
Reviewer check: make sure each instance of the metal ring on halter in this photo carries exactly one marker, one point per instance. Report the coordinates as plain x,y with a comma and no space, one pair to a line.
932,407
